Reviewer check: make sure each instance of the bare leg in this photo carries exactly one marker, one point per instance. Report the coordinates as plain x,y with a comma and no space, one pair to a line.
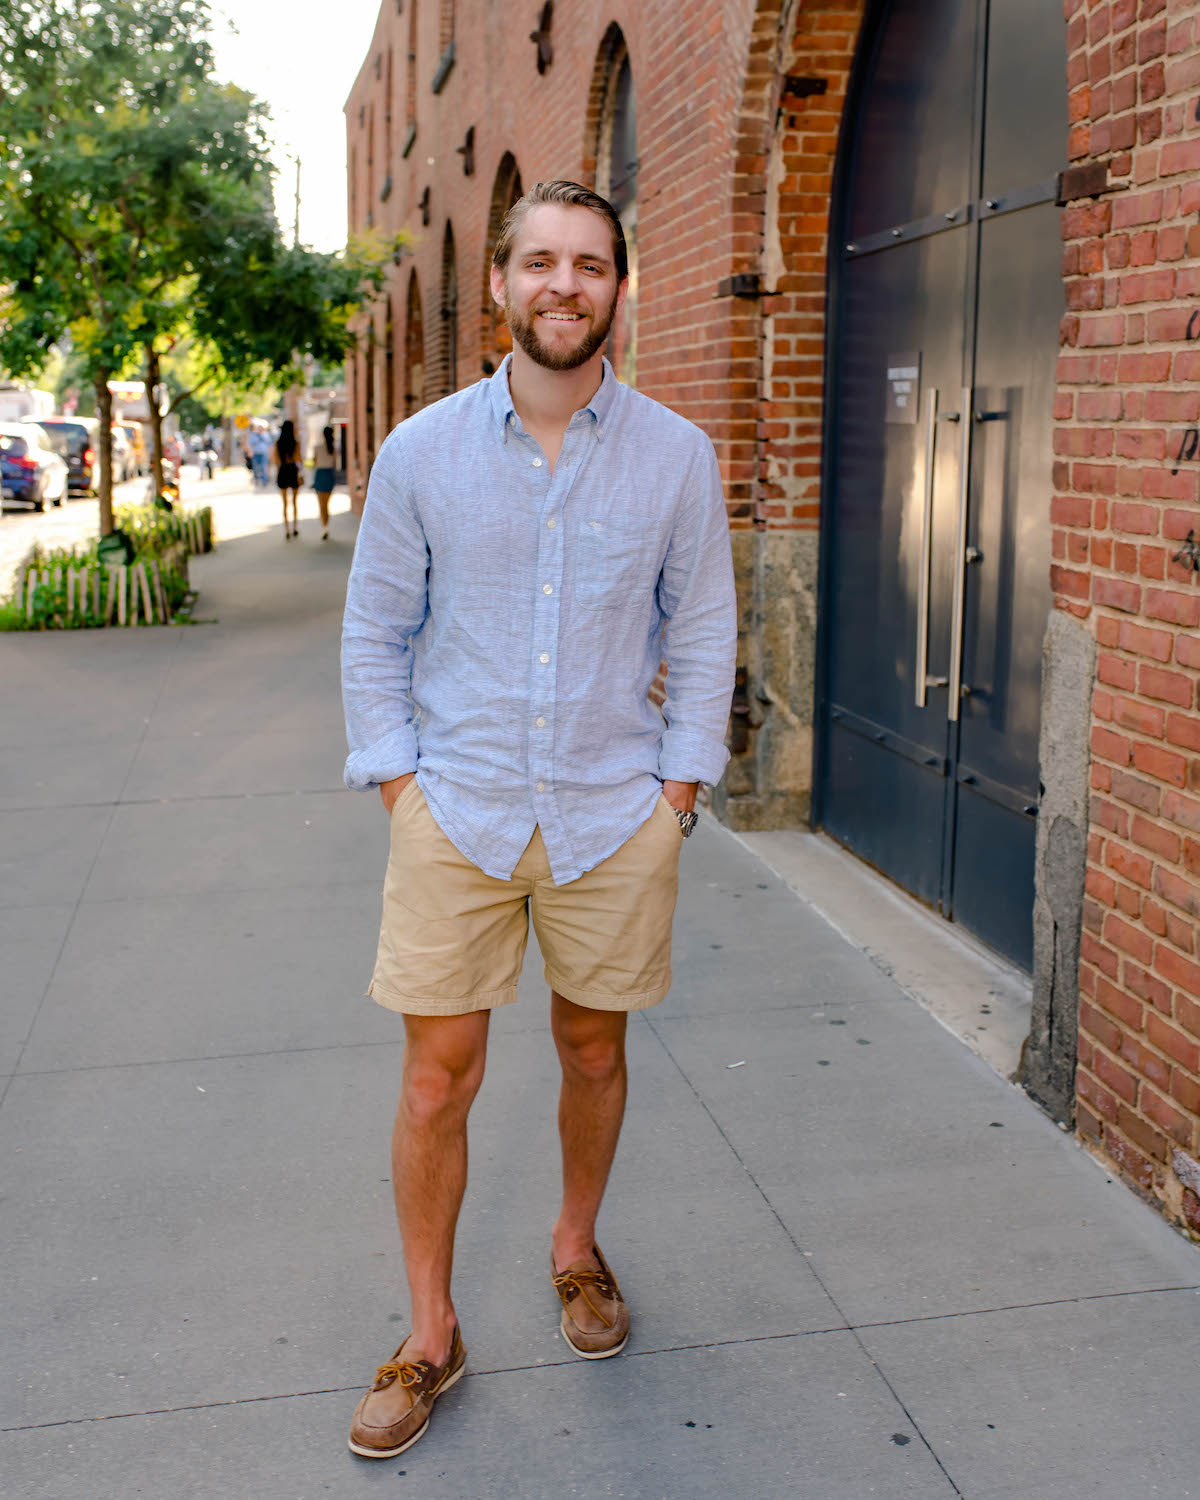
323,506
295,494
443,1068
591,1049
287,528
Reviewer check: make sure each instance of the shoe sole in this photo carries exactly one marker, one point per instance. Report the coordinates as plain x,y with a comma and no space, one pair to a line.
420,1432
589,1353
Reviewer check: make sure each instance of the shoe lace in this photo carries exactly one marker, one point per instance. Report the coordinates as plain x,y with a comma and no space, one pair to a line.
576,1283
404,1371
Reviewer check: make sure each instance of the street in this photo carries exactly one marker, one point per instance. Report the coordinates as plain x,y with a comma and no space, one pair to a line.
75,520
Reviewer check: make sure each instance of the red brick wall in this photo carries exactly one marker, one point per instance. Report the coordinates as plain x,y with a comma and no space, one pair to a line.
1126,499
820,45
693,351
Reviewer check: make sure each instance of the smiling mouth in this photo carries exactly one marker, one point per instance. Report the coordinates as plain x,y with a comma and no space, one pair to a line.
560,315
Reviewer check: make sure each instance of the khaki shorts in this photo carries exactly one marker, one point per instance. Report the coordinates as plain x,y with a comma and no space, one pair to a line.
453,939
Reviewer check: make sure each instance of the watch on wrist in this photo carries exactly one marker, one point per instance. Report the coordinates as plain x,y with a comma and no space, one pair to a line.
687,820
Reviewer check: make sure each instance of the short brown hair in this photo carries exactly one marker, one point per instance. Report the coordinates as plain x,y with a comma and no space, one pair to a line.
569,195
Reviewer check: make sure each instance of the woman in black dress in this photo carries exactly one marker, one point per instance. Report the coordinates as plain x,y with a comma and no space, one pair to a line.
287,456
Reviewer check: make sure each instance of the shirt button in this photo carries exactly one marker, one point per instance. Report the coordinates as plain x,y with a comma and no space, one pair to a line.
541,723
551,524
541,786
547,588
537,463
544,658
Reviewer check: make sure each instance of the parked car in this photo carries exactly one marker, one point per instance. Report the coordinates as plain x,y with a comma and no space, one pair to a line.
124,461
77,440
31,472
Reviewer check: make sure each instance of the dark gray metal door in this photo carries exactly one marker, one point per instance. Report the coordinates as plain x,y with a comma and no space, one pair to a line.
936,544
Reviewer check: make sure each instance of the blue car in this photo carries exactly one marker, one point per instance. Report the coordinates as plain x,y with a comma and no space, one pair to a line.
30,471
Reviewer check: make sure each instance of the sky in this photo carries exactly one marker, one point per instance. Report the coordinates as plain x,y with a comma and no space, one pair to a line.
300,59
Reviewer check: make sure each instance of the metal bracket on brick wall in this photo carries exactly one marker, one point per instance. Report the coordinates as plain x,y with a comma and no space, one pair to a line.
541,37
1082,182
803,88
467,152
410,137
744,284
423,205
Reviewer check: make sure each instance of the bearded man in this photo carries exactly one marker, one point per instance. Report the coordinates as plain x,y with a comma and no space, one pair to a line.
523,546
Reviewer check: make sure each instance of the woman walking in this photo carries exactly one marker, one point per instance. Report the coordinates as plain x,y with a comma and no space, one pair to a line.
287,456
325,463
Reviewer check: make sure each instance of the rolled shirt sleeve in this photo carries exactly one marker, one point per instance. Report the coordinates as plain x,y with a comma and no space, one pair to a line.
696,593
386,605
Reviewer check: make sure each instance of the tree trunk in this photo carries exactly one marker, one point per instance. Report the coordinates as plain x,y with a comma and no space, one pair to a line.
156,441
104,413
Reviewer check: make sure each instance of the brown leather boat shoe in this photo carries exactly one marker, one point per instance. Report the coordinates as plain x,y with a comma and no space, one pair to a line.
595,1320
395,1411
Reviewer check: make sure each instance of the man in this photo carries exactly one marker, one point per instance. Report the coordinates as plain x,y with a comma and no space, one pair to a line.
522,545
260,448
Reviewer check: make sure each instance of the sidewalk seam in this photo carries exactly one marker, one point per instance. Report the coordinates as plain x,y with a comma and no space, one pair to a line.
812,1270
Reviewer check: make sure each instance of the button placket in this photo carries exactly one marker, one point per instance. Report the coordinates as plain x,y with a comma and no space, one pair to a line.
543,683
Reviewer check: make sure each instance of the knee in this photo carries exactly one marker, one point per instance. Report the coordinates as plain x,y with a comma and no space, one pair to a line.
593,1059
436,1089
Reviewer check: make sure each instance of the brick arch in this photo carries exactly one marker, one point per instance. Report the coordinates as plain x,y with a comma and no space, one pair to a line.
495,341
787,142
612,47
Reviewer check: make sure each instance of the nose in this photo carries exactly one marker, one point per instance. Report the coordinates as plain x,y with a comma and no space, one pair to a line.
565,281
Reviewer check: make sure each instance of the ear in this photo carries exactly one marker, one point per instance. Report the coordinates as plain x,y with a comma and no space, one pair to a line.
622,291
497,283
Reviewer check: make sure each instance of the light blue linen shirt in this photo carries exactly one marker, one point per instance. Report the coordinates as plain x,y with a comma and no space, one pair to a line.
504,623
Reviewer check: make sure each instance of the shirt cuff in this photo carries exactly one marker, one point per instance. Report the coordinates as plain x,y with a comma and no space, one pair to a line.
691,757
395,754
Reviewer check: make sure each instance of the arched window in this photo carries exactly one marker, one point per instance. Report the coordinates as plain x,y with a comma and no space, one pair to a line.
414,350
449,314
495,340
613,118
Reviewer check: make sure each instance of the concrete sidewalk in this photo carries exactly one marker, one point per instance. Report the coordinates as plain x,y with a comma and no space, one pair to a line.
859,1262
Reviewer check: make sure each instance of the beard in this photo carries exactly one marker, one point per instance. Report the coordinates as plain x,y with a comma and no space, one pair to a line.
524,330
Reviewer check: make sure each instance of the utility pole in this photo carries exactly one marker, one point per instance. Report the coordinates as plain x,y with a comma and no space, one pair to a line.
296,228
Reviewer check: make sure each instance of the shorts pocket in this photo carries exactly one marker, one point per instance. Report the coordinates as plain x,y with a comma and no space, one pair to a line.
404,796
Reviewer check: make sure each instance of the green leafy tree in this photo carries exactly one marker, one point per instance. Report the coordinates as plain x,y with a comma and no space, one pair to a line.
136,210
71,75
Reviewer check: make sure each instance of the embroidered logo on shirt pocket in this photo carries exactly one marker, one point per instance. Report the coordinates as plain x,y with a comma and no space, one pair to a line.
612,564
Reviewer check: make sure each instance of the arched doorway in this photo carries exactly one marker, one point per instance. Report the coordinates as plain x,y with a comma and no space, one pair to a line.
495,341
414,350
946,300
612,126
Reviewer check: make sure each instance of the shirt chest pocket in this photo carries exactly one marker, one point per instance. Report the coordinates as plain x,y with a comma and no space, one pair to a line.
614,563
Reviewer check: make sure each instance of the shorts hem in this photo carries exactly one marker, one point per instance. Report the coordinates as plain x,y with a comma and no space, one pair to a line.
436,1005
596,1000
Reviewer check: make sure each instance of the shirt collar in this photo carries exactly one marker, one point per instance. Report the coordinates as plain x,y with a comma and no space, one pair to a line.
599,408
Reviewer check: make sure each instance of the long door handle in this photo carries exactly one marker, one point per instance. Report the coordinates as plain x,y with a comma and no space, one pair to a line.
921,674
960,558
